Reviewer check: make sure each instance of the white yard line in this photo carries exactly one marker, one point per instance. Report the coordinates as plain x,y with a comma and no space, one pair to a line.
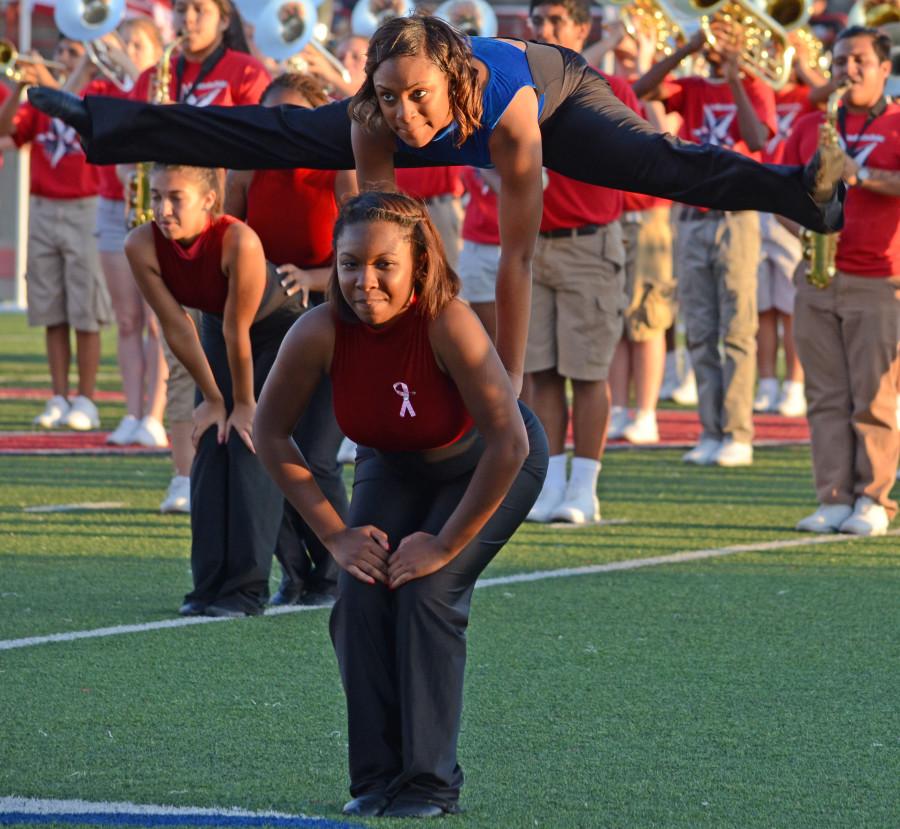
540,575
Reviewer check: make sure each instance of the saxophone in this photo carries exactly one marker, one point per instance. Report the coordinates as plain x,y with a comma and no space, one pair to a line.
820,249
139,210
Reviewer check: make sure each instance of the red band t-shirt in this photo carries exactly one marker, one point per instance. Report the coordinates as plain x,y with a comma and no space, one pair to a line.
109,186
569,203
790,104
481,222
869,244
428,182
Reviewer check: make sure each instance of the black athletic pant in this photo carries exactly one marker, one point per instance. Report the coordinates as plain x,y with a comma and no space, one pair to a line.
236,508
588,134
402,653
305,562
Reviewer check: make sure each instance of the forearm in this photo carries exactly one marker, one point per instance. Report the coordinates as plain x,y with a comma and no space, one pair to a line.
494,475
185,345
656,74
882,182
513,303
752,130
240,363
8,110
318,278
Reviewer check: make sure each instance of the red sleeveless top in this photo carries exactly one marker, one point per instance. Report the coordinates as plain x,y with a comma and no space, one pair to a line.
194,274
293,212
389,392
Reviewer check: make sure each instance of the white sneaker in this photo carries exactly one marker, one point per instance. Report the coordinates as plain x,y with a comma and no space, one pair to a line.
734,453
124,432
56,409
151,433
82,416
766,399
178,495
347,451
826,519
618,421
577,507
670,376
550,498
642,429
704,453
792,402
868,518
686,393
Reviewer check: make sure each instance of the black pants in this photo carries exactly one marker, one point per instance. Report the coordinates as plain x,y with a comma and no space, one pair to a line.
402,653
236,508
588,134
305,562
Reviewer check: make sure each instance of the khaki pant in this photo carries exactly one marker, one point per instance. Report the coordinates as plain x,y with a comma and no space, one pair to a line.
717,257
846,338
180,387
446,214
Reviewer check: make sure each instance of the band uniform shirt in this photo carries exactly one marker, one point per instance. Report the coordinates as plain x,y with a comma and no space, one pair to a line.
389,392
293,212
59,168
569,203
109,186
869,244
237,79
429,182
636,202
790,105
481,221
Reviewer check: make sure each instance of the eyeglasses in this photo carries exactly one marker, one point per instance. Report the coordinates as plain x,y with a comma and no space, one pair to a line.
556,21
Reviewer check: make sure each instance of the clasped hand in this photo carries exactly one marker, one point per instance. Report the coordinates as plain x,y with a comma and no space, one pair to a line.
213,413
364,552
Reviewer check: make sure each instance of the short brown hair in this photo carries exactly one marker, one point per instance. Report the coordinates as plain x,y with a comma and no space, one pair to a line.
435,283
445,47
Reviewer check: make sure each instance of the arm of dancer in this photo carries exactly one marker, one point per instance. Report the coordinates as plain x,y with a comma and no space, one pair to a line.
517,155
464,350
244,263
303,359
178,329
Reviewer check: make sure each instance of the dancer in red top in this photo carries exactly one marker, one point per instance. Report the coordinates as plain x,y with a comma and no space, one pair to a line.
446,473
193,256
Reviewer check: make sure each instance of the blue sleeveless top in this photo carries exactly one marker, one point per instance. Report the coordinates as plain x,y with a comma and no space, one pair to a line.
508,72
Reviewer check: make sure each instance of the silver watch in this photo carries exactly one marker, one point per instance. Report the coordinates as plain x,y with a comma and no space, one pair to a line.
862,174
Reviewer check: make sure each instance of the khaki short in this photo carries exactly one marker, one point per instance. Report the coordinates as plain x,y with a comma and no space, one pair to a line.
446,215
180,387
63,276
477,270
649,282
577,300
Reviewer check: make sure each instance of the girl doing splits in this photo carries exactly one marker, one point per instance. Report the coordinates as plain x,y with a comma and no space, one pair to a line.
447,469
435,97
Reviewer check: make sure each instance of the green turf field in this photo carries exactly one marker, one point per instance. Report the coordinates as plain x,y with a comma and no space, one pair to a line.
751,690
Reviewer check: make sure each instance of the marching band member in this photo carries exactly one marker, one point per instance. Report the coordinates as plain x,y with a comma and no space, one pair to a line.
847,332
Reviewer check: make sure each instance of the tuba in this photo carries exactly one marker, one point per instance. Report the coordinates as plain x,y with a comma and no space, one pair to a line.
767,53
820,249
793,16
11,60
368,15
89,21
874,13
474,18
140,210
281,32
655,16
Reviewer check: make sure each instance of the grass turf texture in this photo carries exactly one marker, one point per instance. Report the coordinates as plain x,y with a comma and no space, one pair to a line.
753,690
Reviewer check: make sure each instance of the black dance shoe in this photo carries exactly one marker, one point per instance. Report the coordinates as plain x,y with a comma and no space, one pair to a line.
192,609
366,805
289,593
316,598
63,105
231,608
823,172
418,809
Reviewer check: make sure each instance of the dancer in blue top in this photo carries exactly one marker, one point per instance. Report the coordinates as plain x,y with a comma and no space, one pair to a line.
432,97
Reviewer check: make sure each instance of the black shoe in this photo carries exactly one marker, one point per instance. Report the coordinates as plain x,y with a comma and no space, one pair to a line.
822,173
366,805
287,594
192,609
314,598
419,809
228,609
63,105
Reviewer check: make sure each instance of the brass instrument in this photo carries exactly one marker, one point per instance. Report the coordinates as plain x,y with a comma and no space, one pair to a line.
655,16
89,21
140,210
874,13
820,249
766,52
793,16
368,15
11,60
474,18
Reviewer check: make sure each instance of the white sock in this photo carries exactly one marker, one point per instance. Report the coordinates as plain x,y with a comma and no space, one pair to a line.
556,473
584,474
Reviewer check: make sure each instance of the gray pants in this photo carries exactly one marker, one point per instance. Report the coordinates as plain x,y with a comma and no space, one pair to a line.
717,258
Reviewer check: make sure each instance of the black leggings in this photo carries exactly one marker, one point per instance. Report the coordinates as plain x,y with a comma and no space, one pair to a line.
402,653
588,134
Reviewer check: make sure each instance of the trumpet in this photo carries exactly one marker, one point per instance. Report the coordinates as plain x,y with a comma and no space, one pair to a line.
89,21
368,15
282,30
766,51
474,18
11,61
654,16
